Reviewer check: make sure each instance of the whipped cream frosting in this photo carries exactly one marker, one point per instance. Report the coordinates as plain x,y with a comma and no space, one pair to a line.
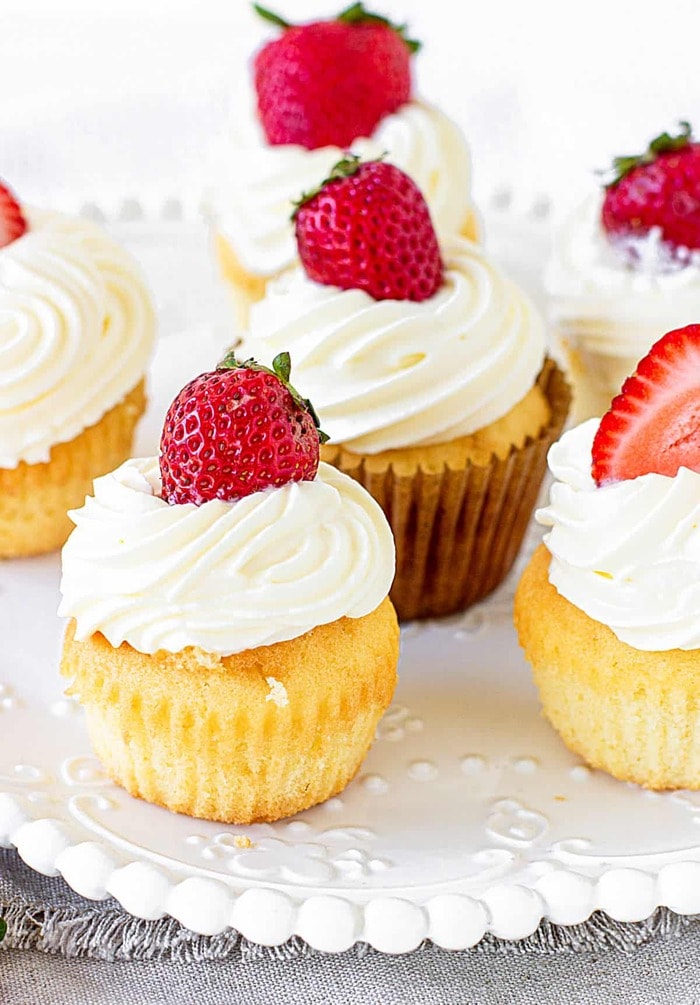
627,553
253,203
223,576
386,374
76,333
614,309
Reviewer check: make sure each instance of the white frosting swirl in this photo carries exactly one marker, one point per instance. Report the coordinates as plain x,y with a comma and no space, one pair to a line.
613,309
76,332
253,203
628,553
222,576
386,374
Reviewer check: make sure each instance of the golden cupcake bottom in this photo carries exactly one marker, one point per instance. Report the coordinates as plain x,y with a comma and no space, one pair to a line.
459,510
246,288
35,498
252,737
632,713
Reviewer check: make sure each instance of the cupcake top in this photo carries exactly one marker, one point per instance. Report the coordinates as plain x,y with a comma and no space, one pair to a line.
386,374
222,576
624,510
627,261
237,538
624,306
400,343
76,332
320,89
252,201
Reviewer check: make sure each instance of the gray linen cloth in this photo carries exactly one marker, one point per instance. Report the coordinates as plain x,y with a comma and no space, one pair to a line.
44,913
64,950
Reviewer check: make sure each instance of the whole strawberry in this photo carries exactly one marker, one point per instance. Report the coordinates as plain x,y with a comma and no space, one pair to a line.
368,227
329,82
653,425
237,430
660,188
12,221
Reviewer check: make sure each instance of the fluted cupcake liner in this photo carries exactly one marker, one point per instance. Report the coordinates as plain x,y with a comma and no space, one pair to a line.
459,530
35,498
630,712
256,736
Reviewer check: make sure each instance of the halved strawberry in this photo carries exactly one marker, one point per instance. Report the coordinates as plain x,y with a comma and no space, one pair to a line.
12,222
653,425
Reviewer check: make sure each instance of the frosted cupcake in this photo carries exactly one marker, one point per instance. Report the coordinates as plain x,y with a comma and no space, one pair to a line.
428,369
305,115
230,636
626,265
76,333
607,610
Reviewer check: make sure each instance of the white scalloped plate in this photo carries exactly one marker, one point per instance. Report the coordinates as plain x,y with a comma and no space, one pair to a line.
469,814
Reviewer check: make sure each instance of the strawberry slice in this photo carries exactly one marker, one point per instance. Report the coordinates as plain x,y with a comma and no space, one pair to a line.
12,222
653,425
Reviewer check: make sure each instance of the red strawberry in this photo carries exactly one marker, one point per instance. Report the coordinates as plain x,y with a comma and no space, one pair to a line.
661,188
653,425
237,430
368,228
12,222
329,82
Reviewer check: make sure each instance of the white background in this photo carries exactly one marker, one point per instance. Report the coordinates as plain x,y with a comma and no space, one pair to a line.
108,98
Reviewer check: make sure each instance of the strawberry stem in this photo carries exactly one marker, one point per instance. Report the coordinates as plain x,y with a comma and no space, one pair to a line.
354,14
282,365
349,165
269,15
281,369
662,144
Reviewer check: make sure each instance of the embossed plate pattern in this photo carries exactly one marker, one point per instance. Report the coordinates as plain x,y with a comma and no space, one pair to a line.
468,816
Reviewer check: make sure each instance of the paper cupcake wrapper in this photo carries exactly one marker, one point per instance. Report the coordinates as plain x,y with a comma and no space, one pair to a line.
35,498
204,735
630,712
458,531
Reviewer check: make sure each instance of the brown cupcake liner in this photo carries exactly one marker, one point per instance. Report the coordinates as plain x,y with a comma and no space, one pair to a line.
458,531
35,498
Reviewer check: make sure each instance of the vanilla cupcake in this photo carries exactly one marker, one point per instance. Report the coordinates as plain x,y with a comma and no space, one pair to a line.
230,636
76,335
607,610
626,265
298,127
428,370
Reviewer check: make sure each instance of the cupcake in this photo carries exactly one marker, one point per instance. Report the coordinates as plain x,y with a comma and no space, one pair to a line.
230,635
306,114
428,369
625,266
76,335
607,610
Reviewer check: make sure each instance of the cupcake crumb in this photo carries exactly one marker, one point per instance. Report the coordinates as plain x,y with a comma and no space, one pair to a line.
241,841
278,692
